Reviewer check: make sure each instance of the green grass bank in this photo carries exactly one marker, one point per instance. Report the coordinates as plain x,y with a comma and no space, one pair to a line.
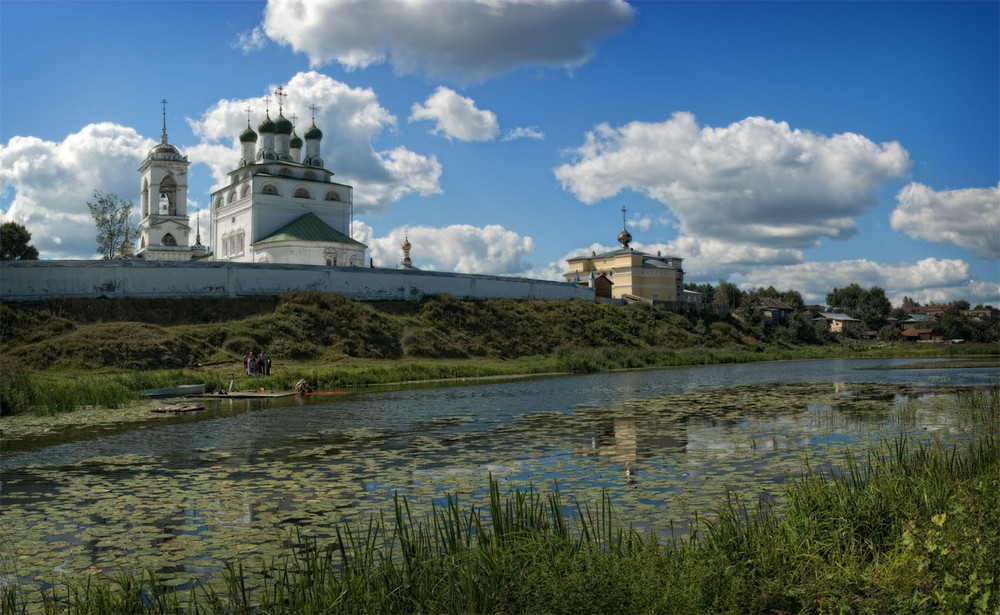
912,530
63,355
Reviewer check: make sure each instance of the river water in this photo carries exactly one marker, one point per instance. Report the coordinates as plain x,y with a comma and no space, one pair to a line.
183,493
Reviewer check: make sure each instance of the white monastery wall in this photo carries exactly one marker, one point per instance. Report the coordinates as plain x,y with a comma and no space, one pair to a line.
39,280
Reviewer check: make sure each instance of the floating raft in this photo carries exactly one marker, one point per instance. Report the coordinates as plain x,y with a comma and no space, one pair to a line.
176,409
180,390
247,395
263,394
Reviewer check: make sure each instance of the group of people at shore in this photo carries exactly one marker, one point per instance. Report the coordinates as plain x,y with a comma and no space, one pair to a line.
260,365
257,365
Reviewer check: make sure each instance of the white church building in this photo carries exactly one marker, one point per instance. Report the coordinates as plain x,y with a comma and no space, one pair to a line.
280,204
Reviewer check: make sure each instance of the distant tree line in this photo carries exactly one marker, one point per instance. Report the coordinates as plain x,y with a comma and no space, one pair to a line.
872,307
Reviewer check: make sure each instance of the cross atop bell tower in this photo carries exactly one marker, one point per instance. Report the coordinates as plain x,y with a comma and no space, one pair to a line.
163,136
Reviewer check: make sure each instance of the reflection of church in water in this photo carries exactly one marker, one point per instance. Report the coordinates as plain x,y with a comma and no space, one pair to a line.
625,442
280,205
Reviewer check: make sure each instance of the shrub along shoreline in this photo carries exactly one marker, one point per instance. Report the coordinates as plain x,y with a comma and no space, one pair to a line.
913,530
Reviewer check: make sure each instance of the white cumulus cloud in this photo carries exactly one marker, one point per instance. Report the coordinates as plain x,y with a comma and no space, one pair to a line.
350,118
491,250
755,181
524,132
927,277
466,41
456,116
46,184
251,40
969,218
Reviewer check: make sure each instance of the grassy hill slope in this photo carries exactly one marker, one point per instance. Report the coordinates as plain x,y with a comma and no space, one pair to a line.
103,334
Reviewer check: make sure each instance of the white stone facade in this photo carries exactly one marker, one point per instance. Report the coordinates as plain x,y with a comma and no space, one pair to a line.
280,208
164,232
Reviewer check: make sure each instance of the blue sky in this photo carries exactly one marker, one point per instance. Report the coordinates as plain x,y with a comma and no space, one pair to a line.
799,145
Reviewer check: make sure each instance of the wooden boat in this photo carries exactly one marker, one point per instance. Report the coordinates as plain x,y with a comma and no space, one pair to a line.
179,390
173,409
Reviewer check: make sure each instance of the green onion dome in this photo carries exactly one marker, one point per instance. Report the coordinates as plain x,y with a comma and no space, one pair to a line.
313,132
282,125
248,135
267,125
295,142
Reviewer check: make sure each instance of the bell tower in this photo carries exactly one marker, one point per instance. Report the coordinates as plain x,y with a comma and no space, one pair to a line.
164,232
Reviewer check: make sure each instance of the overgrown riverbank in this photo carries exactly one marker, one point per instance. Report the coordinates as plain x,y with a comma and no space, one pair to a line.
69,354
913,530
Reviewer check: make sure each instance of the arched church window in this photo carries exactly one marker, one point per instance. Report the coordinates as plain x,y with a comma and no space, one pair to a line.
269,189
332,196
302,193
168,195
331,257
145,198
168,240
355,260
232,196
246,191
218,202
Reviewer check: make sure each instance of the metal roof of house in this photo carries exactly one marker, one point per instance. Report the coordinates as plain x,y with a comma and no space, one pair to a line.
309,227
835,316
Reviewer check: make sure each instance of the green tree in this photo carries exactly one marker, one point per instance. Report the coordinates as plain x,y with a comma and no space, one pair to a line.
961,304
907,302
112,217
793,298
874,309
954,325
14,244
728,293
847,299
706,290
889,333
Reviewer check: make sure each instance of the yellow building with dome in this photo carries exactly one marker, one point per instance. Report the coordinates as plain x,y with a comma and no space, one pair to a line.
633,274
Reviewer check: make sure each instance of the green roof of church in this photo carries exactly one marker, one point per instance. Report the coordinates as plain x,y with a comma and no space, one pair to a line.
308,227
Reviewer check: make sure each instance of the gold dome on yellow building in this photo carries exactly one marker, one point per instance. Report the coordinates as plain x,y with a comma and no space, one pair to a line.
633,274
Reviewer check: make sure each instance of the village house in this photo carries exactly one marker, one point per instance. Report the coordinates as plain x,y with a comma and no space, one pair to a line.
838,323
914,334
918,320
987,312
774,310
